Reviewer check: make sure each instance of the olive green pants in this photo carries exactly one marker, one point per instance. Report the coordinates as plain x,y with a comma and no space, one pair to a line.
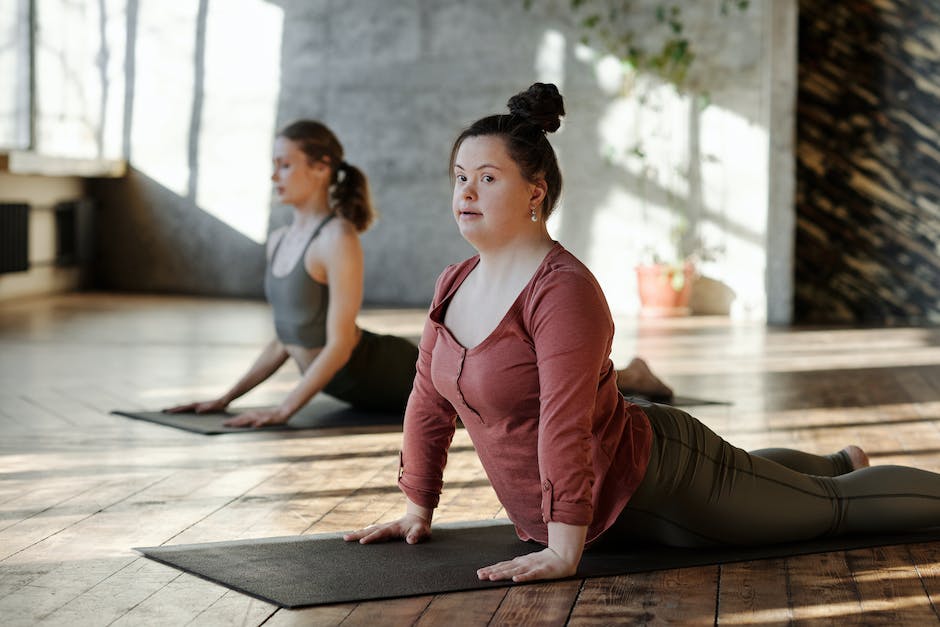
700,490
378,375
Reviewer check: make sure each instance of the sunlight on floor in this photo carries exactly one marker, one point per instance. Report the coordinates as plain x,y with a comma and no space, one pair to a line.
833,611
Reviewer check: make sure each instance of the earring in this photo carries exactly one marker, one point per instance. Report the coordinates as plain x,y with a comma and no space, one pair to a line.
532,215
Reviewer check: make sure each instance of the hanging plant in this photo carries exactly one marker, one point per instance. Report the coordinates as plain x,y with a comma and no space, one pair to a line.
607,25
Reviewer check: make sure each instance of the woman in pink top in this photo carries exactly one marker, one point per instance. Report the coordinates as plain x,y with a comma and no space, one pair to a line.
517,345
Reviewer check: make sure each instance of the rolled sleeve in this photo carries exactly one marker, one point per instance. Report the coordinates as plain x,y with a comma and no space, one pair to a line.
421,490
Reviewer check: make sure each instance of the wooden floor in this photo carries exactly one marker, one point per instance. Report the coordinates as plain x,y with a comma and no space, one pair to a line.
80,487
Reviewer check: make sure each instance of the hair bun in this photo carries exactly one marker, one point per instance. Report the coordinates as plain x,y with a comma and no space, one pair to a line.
541,104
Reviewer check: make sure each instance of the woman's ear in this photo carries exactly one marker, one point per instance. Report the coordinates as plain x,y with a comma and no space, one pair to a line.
321,168
538,193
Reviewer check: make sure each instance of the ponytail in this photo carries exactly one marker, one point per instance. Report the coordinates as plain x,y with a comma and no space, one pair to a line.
350,196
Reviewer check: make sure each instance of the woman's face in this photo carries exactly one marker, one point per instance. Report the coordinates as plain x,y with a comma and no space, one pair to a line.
492,201
295,178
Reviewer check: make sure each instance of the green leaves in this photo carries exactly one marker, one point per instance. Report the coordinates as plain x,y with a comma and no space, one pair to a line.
608,26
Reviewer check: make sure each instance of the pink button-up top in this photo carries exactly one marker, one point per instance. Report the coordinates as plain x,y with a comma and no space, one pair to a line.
538,398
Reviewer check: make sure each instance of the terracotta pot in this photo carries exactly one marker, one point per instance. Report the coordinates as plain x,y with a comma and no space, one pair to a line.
657,285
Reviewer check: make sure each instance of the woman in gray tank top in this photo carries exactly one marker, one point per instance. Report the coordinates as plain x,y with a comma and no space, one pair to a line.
314,284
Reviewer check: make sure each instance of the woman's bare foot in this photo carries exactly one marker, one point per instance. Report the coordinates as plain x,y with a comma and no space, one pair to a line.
858,457
637,378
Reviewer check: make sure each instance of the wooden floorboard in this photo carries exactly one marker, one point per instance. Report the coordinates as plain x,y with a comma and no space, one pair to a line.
79,487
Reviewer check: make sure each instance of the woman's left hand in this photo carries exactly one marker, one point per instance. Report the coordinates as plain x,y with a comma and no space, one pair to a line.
545,564
257,418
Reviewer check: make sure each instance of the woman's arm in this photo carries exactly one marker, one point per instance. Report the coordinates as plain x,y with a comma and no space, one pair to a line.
430,421
271,358
343,260
559,559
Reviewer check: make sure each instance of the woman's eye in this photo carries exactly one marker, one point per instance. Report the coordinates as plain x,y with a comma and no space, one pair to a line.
488,179
461,178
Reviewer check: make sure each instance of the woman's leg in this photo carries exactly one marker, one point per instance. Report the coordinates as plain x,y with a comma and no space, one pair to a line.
848,459
699,490
637,378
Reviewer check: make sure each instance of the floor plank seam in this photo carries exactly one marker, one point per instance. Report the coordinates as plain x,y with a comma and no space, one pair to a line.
147,598
92,514
226,504
342,501
717,595
574,602
923,584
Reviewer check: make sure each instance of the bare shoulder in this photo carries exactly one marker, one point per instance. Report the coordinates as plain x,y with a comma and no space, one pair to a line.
340,234
337,248
340,226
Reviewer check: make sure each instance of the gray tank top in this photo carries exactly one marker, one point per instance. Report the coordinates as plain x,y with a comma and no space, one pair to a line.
299,302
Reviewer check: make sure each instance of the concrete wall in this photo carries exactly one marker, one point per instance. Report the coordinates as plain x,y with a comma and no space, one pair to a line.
397,81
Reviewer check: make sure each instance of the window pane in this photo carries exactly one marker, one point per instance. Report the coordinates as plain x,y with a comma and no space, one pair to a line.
79,81
14,74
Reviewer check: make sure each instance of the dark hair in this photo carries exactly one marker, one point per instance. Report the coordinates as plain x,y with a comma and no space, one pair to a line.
532,113
350,187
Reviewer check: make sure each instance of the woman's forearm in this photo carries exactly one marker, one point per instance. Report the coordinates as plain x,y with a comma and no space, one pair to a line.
318,374
567,541
420,511
271,358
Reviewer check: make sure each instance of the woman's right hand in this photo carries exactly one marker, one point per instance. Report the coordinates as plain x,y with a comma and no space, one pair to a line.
411,528
203,407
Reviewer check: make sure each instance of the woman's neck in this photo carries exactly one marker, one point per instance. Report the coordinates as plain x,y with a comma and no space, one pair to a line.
308,215
315,207
518,254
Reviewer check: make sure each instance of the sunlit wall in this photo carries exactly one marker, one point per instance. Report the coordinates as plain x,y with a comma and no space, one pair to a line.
239,107
163,92
205,98
656,173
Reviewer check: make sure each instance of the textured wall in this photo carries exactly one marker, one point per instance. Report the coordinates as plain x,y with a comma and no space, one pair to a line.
397,81
868,192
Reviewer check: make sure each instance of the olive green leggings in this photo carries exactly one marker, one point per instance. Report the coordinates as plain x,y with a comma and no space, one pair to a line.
699,490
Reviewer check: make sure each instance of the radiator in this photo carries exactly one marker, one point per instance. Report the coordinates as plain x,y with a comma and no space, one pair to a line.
14,237
74,232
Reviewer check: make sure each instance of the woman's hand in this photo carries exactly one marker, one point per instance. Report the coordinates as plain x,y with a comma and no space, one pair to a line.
411,528
257,418
546,564
199,407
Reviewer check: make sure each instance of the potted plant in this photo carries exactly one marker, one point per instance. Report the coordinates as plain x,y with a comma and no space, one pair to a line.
664,283
665,288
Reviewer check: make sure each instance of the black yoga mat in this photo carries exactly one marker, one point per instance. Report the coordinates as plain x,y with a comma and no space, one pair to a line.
322,412
297,571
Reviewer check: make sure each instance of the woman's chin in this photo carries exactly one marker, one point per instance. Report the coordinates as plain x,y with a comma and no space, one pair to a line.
467,227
